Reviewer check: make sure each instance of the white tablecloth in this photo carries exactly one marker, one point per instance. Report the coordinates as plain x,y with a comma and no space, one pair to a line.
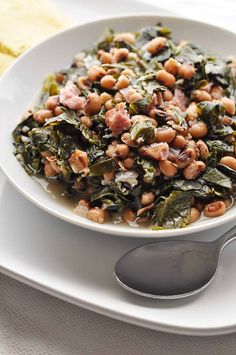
32,322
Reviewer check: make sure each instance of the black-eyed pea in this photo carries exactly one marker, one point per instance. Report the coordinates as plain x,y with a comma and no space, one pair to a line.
121,54
198,130
186,71
118,97
229,105
58,110
127,37
106,58
93,103
215,209
52,102
42,115
203,148
128,72
122,82
179,142
192,112
168,168
113,71
194,215
95,73
229,161
96,215
201,95
167,95
128,215
147,198
193,170
86,120
128,163
165,134
172,66
108,82
216,92
109,104
127,140
122,150
156,45
104,96
165,78
135,96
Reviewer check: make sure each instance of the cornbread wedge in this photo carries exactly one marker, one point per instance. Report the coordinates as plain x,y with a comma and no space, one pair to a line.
24,23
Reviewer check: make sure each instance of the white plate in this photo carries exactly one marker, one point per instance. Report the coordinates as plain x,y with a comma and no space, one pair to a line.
76,265
24,79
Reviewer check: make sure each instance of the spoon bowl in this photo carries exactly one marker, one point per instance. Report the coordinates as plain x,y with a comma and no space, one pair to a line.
171,268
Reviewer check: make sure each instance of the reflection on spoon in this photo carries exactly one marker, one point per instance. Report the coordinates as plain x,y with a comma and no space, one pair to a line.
171,269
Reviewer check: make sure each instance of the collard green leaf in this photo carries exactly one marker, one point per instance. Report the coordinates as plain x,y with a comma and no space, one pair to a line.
103,166
217,149
28,122
227,171
94,153
142,129
210,113
106,40
68,117
149,169
140,106
111,198
216,177
164,54
174,211
218,71
89,135
198,187
187,53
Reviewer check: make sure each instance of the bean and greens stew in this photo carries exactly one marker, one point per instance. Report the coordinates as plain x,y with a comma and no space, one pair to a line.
140,130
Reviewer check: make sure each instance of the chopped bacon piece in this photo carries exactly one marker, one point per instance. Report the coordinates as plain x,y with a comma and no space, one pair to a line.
118,119
157,151
78,161
69,96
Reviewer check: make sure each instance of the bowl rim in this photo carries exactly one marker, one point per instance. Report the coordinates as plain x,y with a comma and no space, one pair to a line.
121,231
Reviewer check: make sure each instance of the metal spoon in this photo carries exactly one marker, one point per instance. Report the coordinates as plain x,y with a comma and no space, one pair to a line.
171,269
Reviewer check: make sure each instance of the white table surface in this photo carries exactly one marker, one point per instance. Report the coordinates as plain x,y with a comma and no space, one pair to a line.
32,322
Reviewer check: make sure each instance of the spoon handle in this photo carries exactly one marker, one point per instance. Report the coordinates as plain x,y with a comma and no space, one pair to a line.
227,238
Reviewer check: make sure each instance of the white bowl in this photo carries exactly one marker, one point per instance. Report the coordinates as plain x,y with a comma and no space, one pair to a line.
20,83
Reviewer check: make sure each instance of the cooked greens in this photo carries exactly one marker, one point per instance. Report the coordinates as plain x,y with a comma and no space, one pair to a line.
140,129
